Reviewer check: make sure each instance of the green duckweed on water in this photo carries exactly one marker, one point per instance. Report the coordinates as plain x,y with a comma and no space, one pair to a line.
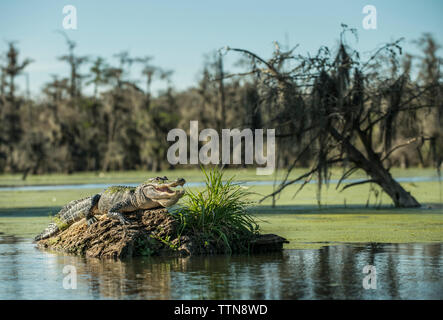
388,226
311,230
342,217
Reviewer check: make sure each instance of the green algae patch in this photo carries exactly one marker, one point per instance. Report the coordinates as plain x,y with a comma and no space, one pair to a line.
304,228
312,230
26,227
317,230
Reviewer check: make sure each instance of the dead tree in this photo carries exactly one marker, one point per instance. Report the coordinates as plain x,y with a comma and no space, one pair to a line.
334,107
74,62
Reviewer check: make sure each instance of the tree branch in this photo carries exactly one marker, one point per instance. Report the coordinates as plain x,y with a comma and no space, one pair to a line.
357,183
403,145
284,184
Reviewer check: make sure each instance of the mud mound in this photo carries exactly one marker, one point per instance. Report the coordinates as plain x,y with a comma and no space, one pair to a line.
107,238
151,232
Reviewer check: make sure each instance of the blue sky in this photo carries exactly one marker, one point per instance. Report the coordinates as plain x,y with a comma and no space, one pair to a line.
179,33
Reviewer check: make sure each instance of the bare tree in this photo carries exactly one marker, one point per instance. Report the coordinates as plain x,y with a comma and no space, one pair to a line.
98,70
148,70
74,62
13,67
334,106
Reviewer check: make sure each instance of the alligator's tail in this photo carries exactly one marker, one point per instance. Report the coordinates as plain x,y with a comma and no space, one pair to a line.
50,230
72,212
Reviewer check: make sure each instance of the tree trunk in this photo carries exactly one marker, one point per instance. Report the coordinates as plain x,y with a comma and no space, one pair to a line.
11,88
373,167
221,89
400,197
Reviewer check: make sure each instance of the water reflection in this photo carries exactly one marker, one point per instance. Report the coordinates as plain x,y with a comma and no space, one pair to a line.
404,271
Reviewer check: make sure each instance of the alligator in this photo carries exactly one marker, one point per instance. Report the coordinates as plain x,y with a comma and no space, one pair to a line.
115,201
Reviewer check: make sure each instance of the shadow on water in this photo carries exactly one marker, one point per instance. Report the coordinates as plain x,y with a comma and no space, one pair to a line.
404,271
29,212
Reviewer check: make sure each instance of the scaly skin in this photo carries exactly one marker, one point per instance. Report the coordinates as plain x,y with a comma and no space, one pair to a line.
115,202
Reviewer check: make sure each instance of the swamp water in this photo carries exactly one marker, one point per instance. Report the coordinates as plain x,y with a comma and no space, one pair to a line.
403,271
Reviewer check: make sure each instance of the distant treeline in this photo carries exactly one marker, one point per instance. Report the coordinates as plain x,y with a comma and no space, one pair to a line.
120,125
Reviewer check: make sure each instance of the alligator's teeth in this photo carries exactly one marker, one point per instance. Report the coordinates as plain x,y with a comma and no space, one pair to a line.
165,189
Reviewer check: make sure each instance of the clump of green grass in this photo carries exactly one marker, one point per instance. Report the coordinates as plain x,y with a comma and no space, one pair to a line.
218,214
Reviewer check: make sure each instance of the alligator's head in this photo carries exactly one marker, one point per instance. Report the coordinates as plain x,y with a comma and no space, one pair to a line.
162,191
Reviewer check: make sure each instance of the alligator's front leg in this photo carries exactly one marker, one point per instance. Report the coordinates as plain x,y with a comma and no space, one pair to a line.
117,211
90,218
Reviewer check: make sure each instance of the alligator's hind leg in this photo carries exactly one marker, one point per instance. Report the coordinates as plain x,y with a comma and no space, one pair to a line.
90,218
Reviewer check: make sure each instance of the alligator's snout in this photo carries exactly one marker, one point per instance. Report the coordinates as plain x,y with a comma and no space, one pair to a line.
165,191
164,195
178,182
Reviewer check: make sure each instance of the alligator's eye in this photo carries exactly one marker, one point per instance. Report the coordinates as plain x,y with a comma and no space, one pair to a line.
160,179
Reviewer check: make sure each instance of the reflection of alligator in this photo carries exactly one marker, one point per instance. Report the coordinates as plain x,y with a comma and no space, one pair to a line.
116,201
